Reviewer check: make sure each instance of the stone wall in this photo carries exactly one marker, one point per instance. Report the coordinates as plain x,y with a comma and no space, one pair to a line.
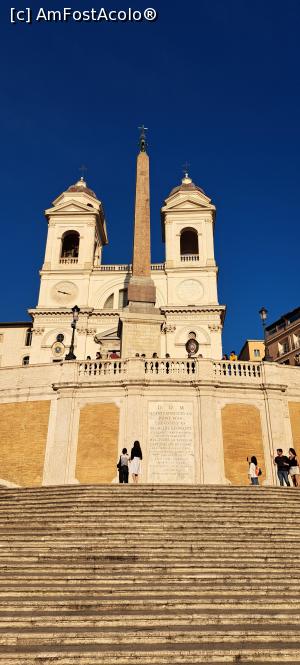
294,410
226,412
97,449
242,438
23,435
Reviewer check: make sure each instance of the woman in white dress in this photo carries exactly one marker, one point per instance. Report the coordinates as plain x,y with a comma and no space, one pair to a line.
135,461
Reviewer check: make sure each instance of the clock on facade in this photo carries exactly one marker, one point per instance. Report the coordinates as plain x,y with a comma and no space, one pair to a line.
190,291
64,292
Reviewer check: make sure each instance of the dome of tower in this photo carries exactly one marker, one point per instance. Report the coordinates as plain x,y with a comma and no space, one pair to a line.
81,186
186,185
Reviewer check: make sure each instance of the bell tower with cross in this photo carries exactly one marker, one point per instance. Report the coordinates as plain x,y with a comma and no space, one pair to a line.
76,236
141,321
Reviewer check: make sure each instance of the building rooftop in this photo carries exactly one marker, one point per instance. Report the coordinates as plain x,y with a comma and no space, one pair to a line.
285,319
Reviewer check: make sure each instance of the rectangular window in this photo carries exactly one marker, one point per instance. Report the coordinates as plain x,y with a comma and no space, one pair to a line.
1,337
122,298
296,341
256,353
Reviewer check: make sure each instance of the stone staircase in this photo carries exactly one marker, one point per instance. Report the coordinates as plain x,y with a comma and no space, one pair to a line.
149,575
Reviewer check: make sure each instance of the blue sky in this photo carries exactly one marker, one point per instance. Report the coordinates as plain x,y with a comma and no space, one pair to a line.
216,82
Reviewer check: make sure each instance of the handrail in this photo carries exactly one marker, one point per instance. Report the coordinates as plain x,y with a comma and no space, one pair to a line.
237,369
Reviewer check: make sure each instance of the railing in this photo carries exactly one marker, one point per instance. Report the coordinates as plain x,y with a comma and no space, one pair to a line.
92,368
125,267
69,260
237,369
170,367
157,266
189,257
183,369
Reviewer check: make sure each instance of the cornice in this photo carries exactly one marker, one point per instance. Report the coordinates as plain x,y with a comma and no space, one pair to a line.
193,308
66,311
188,268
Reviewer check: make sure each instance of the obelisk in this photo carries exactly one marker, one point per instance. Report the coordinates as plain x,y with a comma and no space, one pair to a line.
141,289
141,321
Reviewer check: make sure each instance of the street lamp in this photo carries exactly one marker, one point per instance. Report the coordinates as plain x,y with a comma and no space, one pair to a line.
263,313
70,355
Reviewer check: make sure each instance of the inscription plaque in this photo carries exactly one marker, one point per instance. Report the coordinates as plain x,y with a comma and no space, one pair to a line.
171,443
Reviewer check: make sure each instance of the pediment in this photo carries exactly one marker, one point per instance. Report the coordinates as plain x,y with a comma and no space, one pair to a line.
69,206
112,333
188,205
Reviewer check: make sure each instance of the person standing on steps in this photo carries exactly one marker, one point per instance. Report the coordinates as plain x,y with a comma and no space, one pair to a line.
123,466
253,471
135,461
294,469
283,465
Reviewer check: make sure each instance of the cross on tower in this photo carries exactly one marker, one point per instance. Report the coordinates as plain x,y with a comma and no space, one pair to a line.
185,167
83,171
143,140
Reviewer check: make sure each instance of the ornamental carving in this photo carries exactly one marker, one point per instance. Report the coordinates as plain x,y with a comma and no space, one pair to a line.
38,331
81,331
214,327
84,331
168,328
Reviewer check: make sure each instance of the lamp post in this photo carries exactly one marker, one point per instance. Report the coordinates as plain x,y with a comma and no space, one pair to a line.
263,313
71,355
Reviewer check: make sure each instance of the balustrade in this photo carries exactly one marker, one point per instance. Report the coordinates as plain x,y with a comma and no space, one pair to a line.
125,267
170,367
189,257
238,369
95,368
68,260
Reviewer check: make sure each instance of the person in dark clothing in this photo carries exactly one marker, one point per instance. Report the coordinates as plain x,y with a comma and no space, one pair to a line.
135,461
283,464
123,466
294,469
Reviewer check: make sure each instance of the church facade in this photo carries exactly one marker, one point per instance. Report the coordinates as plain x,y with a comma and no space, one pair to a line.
73,273
158,376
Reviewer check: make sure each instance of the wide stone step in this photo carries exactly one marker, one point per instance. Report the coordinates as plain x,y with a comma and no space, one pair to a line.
153,635
218,601
151,654
190,577
159,590
136,618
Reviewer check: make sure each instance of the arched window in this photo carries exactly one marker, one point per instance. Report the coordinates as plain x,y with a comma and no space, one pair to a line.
70,245
28,337
109,302
189,248
25,360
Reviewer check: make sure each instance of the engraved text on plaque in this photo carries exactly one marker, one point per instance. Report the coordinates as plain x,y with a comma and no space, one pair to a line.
171,442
